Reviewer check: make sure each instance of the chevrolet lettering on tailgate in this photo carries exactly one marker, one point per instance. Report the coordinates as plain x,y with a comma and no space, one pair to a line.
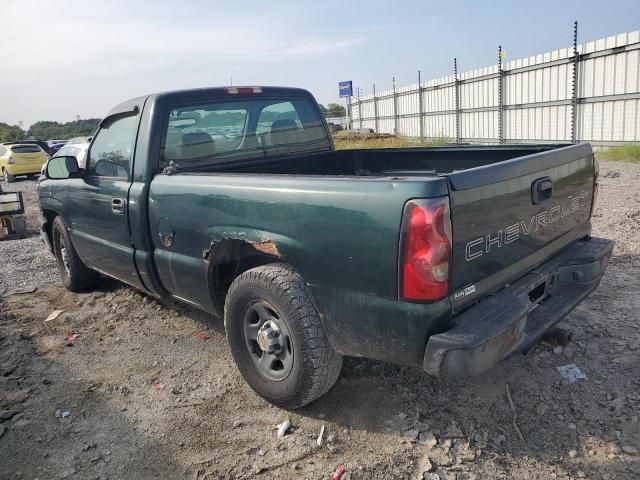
483,245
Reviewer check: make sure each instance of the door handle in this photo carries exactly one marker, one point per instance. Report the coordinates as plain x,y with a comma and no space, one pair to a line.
118,206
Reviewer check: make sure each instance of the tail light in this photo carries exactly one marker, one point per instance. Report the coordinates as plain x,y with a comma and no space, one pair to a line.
425,250
11,161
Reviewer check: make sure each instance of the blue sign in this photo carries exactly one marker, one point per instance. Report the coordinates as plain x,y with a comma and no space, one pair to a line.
346,88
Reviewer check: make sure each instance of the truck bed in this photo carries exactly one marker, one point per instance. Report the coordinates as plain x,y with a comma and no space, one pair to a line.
499,232
385,162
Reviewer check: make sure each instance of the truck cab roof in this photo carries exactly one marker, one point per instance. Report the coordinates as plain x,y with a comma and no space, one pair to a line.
208,92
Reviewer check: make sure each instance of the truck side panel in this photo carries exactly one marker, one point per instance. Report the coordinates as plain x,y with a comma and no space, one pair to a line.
338,232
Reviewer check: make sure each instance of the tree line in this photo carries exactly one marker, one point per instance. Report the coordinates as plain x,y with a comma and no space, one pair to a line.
333,110
47,130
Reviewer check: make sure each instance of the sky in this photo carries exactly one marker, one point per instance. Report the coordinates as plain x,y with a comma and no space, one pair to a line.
65,58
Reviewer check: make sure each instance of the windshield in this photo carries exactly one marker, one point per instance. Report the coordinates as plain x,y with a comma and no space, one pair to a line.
209,133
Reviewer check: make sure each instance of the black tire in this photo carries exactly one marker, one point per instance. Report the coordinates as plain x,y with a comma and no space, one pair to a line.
314,366
8,177
76,276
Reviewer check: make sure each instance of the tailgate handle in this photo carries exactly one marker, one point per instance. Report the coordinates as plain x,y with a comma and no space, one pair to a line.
541,190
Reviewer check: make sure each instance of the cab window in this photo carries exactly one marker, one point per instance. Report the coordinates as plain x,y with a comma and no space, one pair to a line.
219,131
112,150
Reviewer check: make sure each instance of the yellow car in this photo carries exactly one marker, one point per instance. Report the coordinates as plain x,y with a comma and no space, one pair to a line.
21,159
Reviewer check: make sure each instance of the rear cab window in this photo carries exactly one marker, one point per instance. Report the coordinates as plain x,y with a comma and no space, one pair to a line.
213,132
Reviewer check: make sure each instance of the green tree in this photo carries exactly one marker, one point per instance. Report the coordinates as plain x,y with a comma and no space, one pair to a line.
10,133
323,109
335,110
47,130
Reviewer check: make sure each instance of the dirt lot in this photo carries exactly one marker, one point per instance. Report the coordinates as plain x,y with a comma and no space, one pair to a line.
149,391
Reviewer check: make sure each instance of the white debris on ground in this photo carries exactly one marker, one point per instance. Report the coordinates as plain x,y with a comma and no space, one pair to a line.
571,373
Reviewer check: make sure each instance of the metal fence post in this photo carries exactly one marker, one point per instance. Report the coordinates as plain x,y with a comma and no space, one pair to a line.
500,99
395,107
456,98
574,84
375,109
359,109
420,106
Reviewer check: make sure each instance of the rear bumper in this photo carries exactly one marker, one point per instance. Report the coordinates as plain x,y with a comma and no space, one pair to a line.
23,169
509,321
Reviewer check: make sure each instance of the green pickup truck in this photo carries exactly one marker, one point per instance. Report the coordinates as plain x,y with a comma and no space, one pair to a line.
234,200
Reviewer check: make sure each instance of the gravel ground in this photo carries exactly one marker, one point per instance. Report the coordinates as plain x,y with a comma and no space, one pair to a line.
149,391
27,261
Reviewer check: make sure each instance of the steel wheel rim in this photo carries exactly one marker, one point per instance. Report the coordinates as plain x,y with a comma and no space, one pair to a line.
64,254
274,366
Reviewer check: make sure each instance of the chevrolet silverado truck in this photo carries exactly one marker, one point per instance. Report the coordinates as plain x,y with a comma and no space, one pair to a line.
235,201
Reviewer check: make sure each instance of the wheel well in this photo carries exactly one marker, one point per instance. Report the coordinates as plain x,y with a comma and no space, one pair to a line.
230,257
50,216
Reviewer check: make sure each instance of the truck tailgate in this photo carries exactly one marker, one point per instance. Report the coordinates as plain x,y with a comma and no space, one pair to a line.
511,216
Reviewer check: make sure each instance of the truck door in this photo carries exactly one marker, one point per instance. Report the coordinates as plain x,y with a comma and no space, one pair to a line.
99,220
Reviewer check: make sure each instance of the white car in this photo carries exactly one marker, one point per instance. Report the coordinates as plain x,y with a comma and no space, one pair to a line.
78,150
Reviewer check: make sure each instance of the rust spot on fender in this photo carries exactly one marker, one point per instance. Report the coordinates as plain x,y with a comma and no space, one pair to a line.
230,249
267,247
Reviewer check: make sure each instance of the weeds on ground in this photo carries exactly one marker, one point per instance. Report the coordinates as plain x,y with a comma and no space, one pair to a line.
624,153
347,140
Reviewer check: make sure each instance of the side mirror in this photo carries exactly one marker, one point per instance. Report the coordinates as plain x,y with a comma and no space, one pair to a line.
59,168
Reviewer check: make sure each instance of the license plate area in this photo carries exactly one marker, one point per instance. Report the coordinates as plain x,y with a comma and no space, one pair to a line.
539,292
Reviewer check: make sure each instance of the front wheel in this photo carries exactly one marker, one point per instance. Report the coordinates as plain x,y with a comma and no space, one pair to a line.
76,276
276,337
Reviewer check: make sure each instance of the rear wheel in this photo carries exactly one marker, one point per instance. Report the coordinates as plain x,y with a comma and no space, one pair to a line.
276,337
76,276
8,177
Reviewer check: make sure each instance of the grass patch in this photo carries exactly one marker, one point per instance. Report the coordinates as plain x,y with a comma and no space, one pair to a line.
623,153
346,140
